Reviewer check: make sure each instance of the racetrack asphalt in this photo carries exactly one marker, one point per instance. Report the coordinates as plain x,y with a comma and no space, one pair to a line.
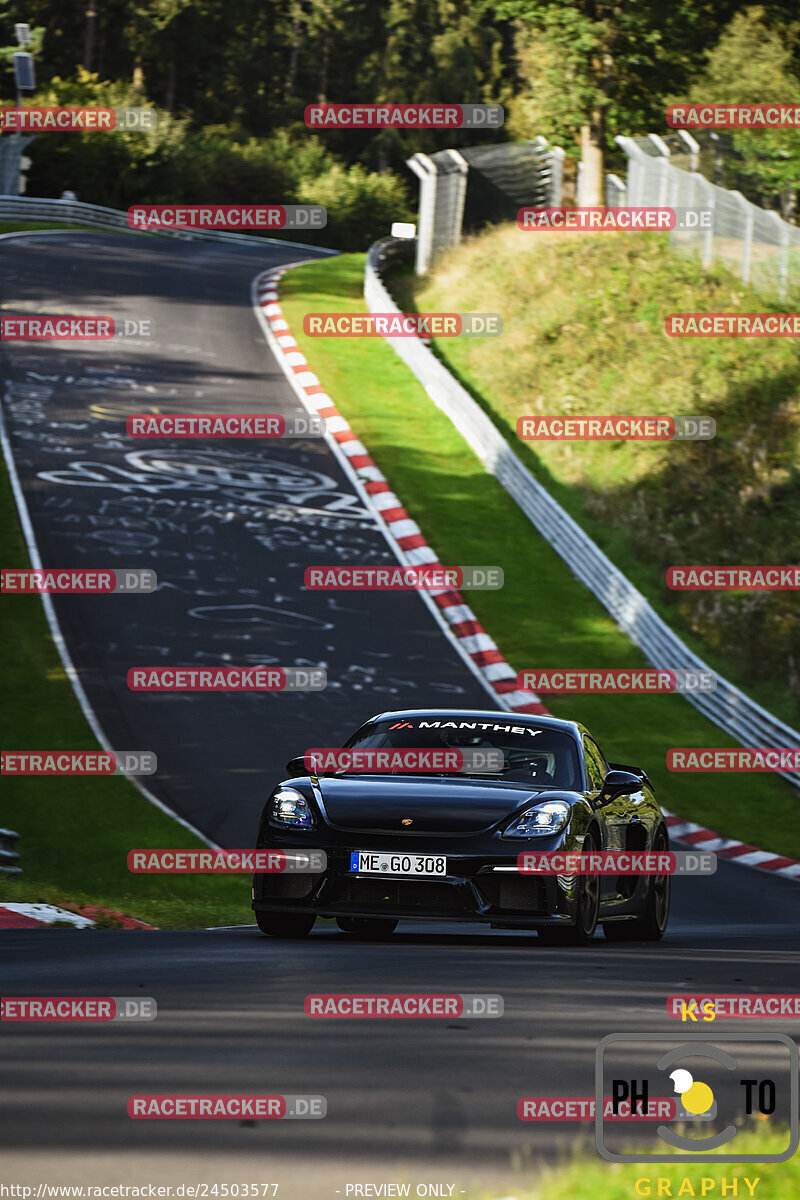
229,533
228,525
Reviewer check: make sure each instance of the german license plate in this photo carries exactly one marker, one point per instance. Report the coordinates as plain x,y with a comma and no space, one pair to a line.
367,863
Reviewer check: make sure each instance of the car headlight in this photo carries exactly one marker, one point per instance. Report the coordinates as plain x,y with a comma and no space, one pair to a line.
541,820
290,807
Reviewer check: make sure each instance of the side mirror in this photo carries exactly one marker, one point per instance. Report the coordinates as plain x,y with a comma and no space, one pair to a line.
296,766
620,783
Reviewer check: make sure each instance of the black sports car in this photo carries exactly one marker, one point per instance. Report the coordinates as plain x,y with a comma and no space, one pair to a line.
445,846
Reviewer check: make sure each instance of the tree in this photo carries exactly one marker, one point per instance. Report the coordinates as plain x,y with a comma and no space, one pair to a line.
593,69
752,63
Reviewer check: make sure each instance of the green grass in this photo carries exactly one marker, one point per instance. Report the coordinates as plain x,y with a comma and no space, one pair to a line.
584,334
542,617
590,1178
75,832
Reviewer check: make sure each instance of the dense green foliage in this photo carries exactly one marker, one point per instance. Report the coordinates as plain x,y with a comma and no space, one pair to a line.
231,80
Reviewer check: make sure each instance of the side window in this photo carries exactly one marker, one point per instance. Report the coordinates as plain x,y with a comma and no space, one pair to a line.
596,766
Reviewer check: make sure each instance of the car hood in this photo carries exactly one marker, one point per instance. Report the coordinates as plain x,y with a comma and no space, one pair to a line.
433,805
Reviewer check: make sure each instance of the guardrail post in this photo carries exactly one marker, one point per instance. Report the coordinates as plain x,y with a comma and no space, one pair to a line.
747,238
783,269
424,169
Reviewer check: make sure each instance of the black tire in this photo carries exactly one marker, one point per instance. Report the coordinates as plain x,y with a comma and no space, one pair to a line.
285,925
650,925
587,908
368,929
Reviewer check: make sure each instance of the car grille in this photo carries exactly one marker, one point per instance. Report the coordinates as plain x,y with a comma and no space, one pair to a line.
512,892
366,893
287,887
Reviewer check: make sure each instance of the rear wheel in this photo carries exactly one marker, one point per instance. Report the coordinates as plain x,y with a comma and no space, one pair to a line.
368,929
587,907
650,925
285,925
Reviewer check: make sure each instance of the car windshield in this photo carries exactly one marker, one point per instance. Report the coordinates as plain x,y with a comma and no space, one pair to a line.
541,757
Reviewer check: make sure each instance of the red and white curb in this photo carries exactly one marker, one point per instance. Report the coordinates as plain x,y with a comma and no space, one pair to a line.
747,856
31,916
471,637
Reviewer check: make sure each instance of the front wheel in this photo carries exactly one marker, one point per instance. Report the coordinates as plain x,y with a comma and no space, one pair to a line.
285,925
368,929
649,926
587,908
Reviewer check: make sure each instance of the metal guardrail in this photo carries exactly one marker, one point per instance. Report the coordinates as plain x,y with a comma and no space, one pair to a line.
8,853
75,212
727,707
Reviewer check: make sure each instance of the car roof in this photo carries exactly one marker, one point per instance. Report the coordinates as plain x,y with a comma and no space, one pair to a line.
479,714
